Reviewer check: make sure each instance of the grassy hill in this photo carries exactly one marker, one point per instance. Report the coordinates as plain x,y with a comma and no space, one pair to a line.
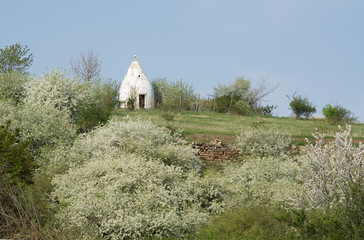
205,126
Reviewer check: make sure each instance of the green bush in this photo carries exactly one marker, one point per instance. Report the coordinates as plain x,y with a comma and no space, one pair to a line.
301,106
264,142
16,162
337,113
98,106
253,223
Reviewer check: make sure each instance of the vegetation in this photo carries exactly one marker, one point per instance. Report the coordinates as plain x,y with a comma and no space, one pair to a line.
64,164
337,113
301,106
15,58
227,126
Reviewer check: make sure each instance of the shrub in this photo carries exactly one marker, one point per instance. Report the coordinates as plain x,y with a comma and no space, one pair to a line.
98,106
301,106
128,197
16,163
12,86
337,113
7,111
264,181
333,187
46,125
255,222
263,142
57,90
131,180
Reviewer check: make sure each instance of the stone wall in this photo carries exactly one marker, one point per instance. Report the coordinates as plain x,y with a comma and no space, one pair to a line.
215,152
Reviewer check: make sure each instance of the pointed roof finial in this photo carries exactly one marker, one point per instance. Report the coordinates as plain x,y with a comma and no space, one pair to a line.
134,57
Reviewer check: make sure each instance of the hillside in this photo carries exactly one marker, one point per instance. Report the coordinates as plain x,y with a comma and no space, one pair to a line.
205,126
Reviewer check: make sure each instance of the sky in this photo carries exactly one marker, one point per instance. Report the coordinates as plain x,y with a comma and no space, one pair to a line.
314,48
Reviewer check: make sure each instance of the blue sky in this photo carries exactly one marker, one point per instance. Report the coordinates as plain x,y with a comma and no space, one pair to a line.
312,47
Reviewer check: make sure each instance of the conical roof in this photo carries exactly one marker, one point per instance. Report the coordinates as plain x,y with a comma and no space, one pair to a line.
137,83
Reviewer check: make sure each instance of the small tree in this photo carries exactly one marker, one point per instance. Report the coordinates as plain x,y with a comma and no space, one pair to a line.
88,66
15,57
301,106
337,113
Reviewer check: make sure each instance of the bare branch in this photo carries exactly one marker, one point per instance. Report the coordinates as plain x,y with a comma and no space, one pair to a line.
88,66
261,90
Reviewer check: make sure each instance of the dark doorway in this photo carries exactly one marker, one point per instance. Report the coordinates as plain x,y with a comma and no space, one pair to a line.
141,101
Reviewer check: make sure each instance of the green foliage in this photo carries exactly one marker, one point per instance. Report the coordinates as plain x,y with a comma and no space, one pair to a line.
337,113
16,162
301,106
266,110
173,96
12,86
98,107
264,142
15,57
255,222
234,97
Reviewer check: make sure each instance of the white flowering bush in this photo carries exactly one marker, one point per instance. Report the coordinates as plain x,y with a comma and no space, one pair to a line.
128,197
134,136
45,125
12,86
57,90
7,111
131,180
328,170
264,142
265,181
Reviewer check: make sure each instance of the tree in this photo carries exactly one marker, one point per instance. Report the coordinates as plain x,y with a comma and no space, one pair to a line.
15,57
88,66
337,113
301,106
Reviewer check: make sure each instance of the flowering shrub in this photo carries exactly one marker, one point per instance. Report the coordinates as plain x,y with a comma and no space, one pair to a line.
134,136
57,90
7,111
264,142
260,181
327,170
332,201
131,180
44,124
12,86
128,197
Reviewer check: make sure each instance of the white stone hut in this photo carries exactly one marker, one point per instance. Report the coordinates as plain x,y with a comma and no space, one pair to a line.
136,84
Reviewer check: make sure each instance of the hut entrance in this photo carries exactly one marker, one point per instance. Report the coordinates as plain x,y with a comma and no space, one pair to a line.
141,100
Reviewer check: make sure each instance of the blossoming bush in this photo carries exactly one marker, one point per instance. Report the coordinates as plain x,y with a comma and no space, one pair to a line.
7,111
332,201
265,181
57,90
264,142
328,169
12,86
46,125
134,136
131,180
128,197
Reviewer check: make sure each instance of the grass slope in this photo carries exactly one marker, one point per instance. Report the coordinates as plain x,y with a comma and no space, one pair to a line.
205,126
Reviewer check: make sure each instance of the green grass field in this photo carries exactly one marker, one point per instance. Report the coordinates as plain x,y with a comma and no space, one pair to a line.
205,126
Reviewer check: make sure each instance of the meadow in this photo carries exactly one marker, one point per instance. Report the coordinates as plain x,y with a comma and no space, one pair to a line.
206,126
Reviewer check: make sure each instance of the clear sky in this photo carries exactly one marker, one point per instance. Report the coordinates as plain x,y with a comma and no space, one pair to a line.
312,47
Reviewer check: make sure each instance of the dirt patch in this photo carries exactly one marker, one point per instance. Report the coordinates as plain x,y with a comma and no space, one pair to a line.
206,138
